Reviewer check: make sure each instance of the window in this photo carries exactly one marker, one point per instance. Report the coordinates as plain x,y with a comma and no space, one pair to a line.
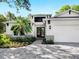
7,24
39,19
50,16
48,21
49,27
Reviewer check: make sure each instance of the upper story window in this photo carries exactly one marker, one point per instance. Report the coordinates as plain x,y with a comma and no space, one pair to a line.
49,16
48,21
39,19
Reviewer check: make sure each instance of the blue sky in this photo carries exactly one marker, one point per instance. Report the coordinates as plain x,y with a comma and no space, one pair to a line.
39,7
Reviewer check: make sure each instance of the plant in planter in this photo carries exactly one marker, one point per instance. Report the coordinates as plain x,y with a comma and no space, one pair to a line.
48,41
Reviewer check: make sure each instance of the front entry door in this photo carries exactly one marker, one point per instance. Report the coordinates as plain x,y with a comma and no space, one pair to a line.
41,32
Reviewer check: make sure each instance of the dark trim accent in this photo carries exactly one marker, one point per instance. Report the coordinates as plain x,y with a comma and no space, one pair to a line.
70,11
68,17
39,32
50,27
48,21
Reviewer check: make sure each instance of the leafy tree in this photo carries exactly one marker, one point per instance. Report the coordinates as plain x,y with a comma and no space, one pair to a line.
63,8
18,3
2,25
22,26
2,18
75,7
10,16
67,7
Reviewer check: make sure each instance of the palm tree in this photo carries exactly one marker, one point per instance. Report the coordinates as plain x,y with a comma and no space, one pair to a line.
10,16
22,26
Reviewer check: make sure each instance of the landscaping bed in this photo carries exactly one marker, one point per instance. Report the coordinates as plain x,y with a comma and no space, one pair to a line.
10,42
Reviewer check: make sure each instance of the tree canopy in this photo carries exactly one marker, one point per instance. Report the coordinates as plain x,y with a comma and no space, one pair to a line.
18,3
67,7
2,19
22,26
10,16
75,7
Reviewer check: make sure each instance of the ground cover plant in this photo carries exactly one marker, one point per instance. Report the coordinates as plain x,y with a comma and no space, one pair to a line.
7,42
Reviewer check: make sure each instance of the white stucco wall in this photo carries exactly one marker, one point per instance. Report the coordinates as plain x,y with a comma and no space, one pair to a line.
64,31
38,24
8,28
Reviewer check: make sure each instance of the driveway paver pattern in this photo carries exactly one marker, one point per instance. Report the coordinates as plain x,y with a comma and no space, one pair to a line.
40,51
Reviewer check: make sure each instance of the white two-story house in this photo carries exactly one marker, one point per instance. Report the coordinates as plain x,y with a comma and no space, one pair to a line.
63,27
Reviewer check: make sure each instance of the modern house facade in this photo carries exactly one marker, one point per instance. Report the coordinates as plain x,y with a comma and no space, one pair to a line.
63,27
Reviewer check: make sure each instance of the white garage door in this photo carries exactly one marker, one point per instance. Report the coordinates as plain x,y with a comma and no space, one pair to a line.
66,33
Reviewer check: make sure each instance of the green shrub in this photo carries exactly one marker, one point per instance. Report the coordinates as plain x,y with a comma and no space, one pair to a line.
19,39
29,40
7,42
44,41
4,39
49,41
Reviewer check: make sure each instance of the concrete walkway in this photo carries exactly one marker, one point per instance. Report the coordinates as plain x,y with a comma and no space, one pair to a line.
38,42
39,51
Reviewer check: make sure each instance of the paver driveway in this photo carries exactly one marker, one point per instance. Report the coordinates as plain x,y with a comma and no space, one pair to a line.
40,51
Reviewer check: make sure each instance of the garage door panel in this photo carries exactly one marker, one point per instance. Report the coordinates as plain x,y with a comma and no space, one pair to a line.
66,33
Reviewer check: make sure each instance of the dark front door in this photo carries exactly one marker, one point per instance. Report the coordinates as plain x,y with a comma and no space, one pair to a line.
40,31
